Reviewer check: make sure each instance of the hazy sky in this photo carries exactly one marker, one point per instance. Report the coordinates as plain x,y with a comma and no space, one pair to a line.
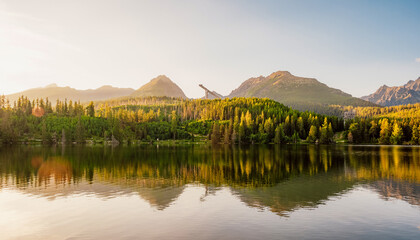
355,46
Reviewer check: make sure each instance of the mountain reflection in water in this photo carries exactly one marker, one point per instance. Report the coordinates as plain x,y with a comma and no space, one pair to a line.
279,178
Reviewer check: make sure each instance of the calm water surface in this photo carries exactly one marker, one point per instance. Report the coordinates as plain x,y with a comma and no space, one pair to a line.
200,192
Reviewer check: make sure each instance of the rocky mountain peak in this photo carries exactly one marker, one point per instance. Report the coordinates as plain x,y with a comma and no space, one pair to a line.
408,93
160,86
279,74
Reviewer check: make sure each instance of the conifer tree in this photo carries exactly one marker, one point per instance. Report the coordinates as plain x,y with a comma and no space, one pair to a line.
374,131
241,134
385,132
415,135
295,137
80,131
90,110
397,134
215,136
227,136
313,133
174,124
300,128
269,129
279,135
330,133
46,136
287,126
324,135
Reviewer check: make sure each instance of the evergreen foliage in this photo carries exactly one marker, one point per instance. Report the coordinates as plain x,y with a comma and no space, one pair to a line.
227,121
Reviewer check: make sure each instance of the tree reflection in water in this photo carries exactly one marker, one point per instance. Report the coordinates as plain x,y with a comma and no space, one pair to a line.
280,178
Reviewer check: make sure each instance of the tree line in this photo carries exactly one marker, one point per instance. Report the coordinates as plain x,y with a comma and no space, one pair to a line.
383,130
227,121
221,121
384,125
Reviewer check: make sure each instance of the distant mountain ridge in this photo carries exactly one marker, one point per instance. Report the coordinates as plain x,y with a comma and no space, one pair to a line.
159,86
305,94
54,92
409,93
298,92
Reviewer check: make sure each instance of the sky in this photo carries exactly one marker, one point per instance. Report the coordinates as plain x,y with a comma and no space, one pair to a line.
355,46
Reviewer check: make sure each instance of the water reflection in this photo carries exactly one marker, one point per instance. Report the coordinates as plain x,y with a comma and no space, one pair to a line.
279,178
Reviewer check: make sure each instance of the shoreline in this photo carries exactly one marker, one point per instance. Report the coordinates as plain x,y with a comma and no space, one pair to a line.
178,142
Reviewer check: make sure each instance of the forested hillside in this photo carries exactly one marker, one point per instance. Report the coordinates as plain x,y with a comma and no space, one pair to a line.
384,125
229,121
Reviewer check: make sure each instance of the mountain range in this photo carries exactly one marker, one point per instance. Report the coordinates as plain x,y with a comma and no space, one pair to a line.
54,92
159,86
409,93
297,92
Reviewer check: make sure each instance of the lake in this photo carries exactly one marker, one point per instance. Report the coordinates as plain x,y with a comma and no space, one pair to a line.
204,192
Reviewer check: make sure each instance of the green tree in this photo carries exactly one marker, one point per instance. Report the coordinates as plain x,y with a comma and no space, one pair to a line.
355,131
374,131
226,136
324,135
269,129
46,136
313,134
241,133
80,131
385,133
415,135
287,126
330,133
295,138
279,135
397,134
90,110
7,131
174,124
215,136
300,128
